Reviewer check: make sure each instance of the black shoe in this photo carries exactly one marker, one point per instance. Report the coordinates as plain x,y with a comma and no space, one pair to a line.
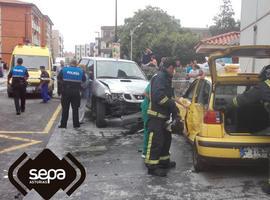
157,172
18,113
60,126
167,165
76,126
22,110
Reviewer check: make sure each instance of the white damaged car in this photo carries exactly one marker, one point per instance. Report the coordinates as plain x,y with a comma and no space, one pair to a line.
116,87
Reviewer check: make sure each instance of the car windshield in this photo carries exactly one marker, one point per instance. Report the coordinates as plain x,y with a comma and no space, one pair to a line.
116,69
33,62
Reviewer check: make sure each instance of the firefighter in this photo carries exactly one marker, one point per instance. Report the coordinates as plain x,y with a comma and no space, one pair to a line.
161,107
19,75
71,78
260,92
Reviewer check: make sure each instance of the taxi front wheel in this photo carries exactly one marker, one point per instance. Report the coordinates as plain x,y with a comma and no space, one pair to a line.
198,163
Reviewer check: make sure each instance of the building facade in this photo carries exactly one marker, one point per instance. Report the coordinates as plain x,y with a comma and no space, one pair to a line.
47,34
255,22
85,50
68,56
106,40
22,23
57,44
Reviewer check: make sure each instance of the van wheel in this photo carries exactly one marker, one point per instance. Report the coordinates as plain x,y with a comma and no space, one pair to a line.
100,114
198,163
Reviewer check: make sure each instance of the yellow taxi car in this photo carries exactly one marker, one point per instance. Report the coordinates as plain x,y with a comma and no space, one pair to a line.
33,57
242,134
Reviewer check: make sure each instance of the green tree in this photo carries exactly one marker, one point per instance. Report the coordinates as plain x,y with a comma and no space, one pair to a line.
158,31
154,21
224,21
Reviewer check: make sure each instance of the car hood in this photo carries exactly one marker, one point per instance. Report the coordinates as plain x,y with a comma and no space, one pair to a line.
130,86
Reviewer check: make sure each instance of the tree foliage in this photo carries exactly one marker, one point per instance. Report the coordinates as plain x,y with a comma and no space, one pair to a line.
158,31
224,21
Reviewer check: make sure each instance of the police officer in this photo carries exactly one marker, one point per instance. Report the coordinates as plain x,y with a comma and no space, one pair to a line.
71,78
260,92
161,106
19,75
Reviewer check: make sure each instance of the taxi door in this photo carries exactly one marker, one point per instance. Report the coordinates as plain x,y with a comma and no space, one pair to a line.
195,112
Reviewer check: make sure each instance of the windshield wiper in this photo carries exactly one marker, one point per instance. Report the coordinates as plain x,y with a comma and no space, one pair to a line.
107,77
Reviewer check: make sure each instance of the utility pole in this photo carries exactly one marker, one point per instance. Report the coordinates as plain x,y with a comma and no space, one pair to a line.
131,39
115,34
131,44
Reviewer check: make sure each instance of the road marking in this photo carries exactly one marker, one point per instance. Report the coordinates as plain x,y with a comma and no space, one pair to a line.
52,120
47,128
16,147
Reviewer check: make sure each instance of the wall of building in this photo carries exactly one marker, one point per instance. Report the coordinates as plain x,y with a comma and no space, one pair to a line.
15,28
255,22
21,23
57,44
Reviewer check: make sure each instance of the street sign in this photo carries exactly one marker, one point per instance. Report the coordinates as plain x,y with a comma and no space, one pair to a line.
116,50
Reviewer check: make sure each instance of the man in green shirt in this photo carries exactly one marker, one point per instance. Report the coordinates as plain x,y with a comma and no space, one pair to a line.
144,108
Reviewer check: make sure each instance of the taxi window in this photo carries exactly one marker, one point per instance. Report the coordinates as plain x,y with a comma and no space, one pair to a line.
198,90
190,91
204,94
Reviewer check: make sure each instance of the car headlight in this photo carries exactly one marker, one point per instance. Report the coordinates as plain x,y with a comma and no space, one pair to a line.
108,97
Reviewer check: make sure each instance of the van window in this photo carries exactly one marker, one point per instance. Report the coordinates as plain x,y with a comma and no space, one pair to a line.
83,62
33,62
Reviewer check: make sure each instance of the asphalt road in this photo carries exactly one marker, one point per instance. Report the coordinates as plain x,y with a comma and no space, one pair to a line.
115,170
29,132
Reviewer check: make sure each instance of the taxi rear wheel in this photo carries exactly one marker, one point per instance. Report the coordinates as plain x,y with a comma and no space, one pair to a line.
198,163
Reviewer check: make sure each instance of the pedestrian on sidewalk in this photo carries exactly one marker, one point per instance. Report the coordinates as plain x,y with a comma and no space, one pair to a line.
71,78
19,75
44,82
58,69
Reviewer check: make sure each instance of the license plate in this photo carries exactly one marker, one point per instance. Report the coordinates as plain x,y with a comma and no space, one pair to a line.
254,152
30,89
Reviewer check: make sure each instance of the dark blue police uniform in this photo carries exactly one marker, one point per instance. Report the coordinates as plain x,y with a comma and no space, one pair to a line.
19,74
71,79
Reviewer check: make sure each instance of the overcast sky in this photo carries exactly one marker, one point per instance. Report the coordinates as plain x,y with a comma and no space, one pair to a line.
78,20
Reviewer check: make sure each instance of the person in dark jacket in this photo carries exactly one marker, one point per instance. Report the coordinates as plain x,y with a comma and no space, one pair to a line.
258,93
71,78
161,107
44,82
19,75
